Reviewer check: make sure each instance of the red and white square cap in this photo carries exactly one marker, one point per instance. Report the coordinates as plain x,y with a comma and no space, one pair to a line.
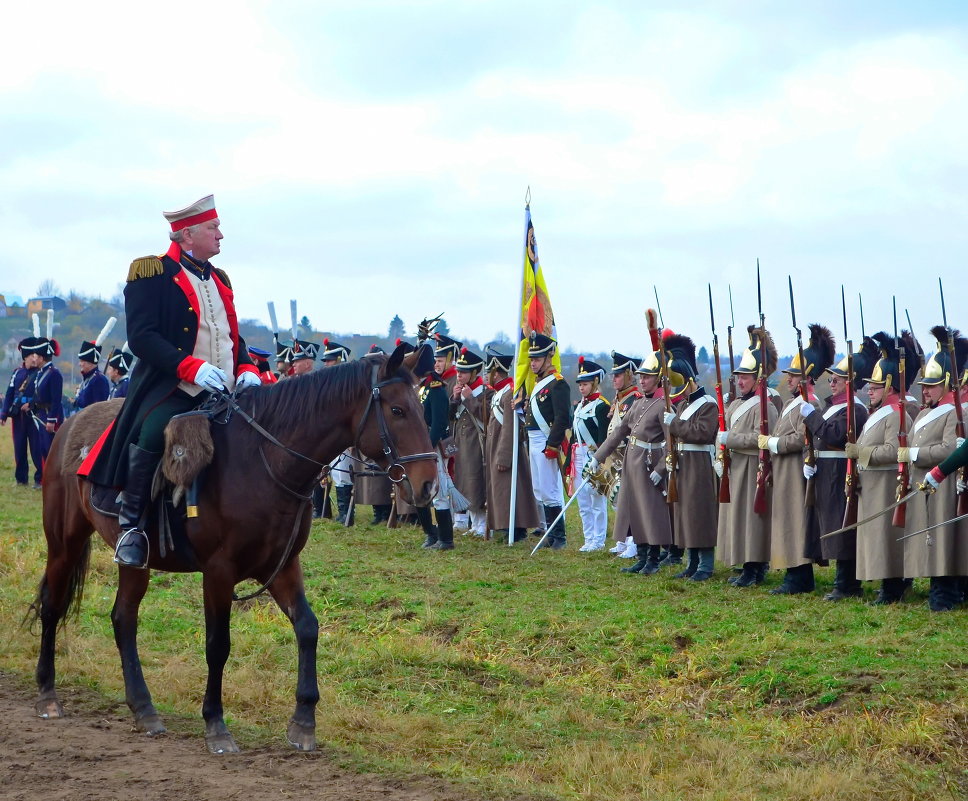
200,211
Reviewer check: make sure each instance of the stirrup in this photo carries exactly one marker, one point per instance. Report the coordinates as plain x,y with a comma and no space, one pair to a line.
126,535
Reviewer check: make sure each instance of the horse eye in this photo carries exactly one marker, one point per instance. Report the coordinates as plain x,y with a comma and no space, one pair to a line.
397,411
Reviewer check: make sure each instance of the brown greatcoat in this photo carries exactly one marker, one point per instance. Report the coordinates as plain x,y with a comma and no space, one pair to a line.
695,514
743,535
788,536
641,510
500,444
469,475
943,551
879,554
369,490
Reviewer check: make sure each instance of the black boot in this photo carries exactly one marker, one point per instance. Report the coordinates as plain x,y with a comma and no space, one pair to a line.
556,536
944,593
692,566
707,563
520,533
797,581
892,590
749,576
642,553
381,513
445,531
846,584
427,524
672,557
652,560
317,501
344,497
132,547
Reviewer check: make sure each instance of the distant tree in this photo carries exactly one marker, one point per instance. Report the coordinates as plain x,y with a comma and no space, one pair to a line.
442,328
76,302
304,322
703,356
396,330
47,289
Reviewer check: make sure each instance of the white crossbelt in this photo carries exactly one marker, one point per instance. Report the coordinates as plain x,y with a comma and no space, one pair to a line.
646,446
689,446
831,455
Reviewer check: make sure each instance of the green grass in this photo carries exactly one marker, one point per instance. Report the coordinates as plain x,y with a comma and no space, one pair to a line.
554,675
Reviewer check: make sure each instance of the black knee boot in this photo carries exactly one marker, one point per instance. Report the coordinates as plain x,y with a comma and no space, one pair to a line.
642,555
427,524
944,593
797,580
556,536
673,556
749,576
132,547
381,513
445,531
846,584
892,590
692,566
317,501
344,497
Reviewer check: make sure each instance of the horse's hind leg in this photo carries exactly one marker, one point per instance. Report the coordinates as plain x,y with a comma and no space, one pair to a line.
218,613
287,590
132,585
68,534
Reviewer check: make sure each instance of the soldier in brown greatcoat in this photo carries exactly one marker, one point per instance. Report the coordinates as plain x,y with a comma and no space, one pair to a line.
942,553
693,424
829,430
467,404
786,443
500,447
626,393
744,536
641,511
879,554
372,488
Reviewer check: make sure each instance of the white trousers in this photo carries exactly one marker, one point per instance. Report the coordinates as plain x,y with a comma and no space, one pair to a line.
342,470
545,475
592,505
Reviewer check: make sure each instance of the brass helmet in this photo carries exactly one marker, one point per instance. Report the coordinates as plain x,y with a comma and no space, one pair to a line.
938,368
681,355
760,340
865,357
818,355
887,369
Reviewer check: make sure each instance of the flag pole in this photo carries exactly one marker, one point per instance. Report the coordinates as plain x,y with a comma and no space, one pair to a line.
518,327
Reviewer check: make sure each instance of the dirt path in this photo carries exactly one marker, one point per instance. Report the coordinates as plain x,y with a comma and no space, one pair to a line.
96,755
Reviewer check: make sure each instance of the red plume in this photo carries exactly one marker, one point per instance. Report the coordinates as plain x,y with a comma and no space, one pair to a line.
652,321
56,345
325,340
463,351
666,333
581,359
399,342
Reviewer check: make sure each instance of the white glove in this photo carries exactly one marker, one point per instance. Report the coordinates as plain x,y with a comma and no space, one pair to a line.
209,377
931,481
655,478
959,441
806,409
962,486
774,445
591,466
721,438
809,471
668,417
247,379
718,467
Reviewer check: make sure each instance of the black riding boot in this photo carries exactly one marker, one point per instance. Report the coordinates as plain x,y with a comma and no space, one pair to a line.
892,590
556,536
642,554
344,496
692,566
673,556
706,565
318,495
749,576
445,531
427,524
797,580
381,513
944,593
132,547
846,584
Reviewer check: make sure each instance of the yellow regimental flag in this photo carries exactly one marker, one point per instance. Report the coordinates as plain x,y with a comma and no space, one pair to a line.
536,313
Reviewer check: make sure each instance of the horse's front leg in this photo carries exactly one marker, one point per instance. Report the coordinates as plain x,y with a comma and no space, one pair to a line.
218,613
287,590
132,585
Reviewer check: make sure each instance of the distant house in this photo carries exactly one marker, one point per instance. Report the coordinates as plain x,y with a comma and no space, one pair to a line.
37,305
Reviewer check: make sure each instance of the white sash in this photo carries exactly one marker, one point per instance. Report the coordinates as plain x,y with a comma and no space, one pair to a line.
837,407
742,409
496,399
693,407
880,414
582,413
934,414
533,401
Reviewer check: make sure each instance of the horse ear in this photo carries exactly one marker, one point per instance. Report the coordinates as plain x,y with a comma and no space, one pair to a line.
420,362
395,360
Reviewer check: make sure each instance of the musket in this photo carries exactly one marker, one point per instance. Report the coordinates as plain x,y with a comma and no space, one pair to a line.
811,457
723,454
850,483
860,303
903,468
729,346
962,506
764,470
672,490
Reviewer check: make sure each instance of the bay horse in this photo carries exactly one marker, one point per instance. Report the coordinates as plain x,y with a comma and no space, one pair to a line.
252,522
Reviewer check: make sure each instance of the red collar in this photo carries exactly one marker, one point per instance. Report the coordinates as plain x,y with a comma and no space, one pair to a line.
477,382
450,372
503,383
590,398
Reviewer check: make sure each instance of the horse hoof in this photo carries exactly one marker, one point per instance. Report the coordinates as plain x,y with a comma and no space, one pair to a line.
151,725
221,744
302,738
49,708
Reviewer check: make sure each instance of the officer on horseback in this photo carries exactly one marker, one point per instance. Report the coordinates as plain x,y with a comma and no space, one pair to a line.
183,328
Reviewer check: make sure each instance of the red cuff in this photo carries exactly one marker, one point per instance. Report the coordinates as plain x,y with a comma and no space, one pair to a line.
550,453
248,368
937,475
188,368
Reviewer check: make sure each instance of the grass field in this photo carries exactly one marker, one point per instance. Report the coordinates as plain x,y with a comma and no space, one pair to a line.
554,675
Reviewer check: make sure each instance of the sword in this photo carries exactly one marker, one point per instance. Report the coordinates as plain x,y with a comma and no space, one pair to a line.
931,528
881,513
571,500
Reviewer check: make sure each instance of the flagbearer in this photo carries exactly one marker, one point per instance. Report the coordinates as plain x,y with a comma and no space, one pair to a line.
788,535
118,366
694,423
879,554
829,431
547,417
942,553
94,386
467,403
590,428
500,453
744,536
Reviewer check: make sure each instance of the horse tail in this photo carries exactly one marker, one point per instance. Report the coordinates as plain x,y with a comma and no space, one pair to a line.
74,590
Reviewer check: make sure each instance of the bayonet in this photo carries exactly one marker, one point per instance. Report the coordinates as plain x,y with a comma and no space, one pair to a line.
903,468
962,505
729,344
850,483
722,454
811,457
658,306
292,312
860,302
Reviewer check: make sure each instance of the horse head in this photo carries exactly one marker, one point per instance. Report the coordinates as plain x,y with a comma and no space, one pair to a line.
391,429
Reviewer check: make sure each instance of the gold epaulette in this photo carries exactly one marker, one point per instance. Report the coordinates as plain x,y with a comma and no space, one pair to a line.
436,384
606,400
222,276
145,267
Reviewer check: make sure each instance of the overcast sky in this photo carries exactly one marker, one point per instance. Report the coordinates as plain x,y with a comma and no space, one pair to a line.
372,158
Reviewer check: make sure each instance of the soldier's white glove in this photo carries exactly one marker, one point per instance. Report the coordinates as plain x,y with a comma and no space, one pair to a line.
668,417
931,481
962,485
208,376
806,409
959,441
809,471
246,380
718,467
721,438
655,478
591,466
